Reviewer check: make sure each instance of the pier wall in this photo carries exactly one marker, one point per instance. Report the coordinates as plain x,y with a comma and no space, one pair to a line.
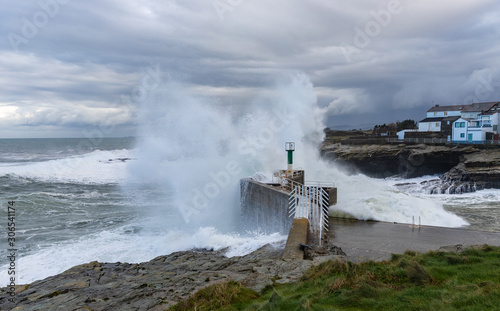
332,195
264,207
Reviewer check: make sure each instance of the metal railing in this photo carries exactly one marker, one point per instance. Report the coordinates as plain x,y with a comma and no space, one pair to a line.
322,184
420,140
285,179
310,202
440,141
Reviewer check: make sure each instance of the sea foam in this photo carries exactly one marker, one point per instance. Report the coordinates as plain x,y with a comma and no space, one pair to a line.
94,167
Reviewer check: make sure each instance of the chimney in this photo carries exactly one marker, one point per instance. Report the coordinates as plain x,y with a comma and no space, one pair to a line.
436,106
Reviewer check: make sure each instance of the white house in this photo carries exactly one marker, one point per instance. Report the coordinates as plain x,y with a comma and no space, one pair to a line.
478,123
435,117
460,128
475,130
444,111
430,125
468,130
490,120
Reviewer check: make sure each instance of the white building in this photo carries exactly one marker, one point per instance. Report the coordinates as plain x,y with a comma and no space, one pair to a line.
430,125
460,128
490,120
435,117
444,111
401,134
477,130
476,123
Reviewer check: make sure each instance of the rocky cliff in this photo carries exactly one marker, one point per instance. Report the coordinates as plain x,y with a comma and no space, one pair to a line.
464,168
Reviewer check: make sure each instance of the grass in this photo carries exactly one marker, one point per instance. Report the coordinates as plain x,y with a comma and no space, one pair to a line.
469,280
336,136
221,296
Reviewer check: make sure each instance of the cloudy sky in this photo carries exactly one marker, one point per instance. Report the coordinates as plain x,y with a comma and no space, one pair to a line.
69,66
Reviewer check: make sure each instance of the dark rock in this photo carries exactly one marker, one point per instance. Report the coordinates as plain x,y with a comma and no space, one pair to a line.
476,171
118,160
388,160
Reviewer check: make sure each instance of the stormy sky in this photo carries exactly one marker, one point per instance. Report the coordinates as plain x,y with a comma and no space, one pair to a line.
69,66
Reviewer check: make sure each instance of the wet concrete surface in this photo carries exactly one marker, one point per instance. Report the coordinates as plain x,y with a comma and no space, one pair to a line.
367,240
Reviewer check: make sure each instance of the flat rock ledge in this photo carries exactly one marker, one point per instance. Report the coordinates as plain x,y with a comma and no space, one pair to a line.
158,283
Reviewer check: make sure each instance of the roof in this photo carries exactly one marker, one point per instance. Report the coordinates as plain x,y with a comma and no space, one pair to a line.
432,120
452,118
438,108
478,107
489,113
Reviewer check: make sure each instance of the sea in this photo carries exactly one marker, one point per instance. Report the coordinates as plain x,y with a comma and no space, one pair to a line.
175,186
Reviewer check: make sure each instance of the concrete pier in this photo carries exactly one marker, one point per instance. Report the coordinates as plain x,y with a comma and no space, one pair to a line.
297,235
368,240
270,207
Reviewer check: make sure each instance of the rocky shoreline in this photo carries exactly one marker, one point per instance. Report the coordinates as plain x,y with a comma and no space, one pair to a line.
463,168
158,283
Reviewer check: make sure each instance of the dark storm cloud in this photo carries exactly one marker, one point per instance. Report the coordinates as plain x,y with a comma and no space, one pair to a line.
370,61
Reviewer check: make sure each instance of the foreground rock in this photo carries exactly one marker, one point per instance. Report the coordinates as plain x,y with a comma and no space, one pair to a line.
465,168
157,284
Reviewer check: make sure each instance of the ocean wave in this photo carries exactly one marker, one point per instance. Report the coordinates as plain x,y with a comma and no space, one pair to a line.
97,167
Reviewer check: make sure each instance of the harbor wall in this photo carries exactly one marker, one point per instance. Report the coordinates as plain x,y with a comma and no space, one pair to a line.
264,207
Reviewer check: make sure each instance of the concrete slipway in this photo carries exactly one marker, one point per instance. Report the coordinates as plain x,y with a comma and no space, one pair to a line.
368,240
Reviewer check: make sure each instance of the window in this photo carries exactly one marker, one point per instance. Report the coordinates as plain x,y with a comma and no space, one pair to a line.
462,135
438,124
445,113
435,113
459,124
447,122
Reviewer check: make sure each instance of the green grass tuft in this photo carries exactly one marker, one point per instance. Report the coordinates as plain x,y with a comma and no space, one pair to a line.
221,296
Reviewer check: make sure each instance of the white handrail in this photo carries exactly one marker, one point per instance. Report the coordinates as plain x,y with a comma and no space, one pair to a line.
310,202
